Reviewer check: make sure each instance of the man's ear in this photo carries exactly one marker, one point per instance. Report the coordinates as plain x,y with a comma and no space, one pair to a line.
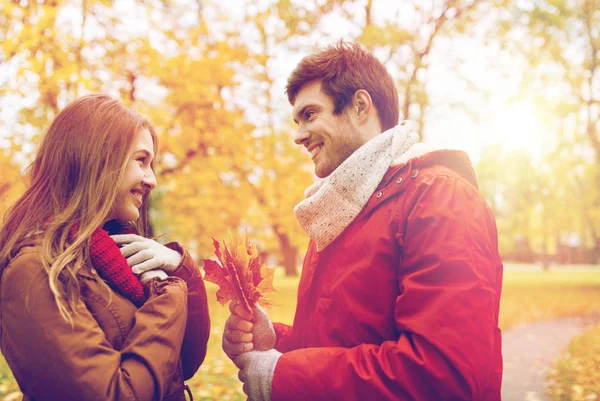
362,104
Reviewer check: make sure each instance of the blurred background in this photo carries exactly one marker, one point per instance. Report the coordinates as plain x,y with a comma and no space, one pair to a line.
514,83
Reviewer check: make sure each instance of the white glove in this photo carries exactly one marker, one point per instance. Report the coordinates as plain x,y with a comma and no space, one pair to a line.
244,333
256,372
149,275
145,254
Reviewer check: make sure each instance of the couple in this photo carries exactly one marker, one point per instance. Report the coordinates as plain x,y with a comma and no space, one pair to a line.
400,287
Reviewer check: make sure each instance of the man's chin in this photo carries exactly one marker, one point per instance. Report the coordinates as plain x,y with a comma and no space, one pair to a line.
322,173
323,170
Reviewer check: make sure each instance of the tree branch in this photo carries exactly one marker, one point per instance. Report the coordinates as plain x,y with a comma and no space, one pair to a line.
591,125
438,24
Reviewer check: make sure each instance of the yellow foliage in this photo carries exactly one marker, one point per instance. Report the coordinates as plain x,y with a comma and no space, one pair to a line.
576,374
11,183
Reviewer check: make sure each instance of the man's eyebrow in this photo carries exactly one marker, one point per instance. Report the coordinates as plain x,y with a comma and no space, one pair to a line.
301,112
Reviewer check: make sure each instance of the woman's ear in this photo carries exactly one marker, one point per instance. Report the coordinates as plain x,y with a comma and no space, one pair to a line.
362,104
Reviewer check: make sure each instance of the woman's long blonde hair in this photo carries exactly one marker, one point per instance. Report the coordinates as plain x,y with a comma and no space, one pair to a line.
74,179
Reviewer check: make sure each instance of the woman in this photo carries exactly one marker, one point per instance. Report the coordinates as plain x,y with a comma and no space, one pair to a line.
76,323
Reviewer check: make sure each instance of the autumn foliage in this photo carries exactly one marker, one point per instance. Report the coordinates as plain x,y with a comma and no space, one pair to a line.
239,274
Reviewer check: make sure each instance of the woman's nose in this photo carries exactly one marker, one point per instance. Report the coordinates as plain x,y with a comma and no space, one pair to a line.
149,179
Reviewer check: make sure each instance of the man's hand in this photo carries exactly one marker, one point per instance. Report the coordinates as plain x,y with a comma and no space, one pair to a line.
256,372
245,331
263,332
145,254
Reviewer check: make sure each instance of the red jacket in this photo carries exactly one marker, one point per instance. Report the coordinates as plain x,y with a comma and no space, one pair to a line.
403,305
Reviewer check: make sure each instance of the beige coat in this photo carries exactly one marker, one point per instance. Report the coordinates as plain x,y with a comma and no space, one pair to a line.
115,351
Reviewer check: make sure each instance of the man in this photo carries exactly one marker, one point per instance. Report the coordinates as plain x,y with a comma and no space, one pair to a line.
400,287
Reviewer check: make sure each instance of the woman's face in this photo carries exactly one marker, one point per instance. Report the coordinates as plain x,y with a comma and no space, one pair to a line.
138,180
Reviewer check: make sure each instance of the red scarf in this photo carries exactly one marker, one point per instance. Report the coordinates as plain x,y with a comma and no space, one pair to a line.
107,260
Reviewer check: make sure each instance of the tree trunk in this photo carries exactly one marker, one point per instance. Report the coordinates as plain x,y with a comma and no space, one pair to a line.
545,256
596,250
289,261
545,235
288,251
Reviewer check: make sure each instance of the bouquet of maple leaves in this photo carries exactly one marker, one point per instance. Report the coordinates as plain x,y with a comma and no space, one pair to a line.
239,274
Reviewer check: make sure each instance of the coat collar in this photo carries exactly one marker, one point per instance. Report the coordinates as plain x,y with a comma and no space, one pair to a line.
457,160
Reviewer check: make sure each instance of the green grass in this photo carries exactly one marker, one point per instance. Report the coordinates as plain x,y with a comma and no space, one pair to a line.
534,295
8,386
527,296
576,374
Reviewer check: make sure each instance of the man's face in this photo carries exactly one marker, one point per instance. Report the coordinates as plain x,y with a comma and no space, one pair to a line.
330,139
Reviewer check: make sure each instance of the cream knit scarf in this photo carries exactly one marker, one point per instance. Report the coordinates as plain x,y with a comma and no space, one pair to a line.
332,203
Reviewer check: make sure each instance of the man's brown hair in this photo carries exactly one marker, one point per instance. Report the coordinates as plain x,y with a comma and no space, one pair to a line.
344,68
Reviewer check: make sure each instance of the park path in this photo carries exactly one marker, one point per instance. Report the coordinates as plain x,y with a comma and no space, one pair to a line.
530,349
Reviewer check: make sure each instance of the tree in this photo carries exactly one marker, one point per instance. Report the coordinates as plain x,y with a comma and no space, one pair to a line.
11,182
560,43
292,27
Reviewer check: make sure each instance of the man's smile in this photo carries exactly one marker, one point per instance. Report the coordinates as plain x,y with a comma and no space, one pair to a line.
314,149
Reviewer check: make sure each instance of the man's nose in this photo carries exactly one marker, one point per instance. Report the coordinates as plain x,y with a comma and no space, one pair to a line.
301,135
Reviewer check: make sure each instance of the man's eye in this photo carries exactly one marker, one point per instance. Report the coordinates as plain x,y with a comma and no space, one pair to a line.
308,115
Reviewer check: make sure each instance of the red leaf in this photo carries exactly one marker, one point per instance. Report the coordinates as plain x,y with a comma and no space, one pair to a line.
214,272
236,280
239,273
225,293
218,251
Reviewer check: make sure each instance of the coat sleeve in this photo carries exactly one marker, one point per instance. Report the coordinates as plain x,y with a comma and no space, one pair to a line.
197,329
446,312
283,335
54,360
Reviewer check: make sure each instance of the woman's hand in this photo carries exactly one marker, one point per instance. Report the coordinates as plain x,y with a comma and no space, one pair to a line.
145,254
150,274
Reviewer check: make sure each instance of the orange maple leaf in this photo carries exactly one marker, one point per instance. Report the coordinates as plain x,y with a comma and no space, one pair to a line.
239,273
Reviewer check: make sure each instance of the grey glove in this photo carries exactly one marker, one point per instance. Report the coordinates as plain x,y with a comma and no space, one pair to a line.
241,335
237,336
263,332
256,372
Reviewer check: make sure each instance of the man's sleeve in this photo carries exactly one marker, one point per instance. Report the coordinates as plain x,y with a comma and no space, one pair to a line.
283,333
446,313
